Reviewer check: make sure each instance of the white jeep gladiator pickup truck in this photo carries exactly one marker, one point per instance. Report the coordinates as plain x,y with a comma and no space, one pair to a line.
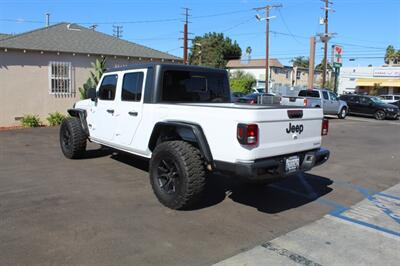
181,118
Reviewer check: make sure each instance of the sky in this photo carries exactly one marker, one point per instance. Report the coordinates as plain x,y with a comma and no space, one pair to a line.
364,28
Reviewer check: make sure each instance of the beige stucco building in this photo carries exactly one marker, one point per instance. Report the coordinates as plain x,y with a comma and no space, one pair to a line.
41,71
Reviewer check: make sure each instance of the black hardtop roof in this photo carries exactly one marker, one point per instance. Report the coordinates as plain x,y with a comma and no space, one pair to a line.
166,65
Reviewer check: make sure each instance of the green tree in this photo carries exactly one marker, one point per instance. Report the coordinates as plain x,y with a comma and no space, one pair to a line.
241,82
99,66
300,61
392,56
214,50
320,66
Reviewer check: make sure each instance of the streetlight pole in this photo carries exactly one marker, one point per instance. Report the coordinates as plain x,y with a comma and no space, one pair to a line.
325,44
267,50
267,18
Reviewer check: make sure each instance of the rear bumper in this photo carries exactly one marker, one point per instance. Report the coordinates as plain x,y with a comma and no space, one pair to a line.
274,167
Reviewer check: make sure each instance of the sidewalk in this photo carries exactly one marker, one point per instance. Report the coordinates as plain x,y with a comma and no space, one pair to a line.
368,233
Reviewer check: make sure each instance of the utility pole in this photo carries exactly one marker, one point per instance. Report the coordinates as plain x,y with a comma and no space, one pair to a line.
117,29
185,35
325,40
311,63
267,18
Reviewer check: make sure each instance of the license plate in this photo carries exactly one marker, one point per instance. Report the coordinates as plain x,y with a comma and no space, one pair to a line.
292,164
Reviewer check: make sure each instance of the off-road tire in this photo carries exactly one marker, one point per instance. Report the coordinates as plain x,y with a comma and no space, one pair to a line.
189,180
380,115
343,113
72,138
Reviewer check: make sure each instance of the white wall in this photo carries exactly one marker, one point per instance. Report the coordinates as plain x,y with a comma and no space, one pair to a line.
349,75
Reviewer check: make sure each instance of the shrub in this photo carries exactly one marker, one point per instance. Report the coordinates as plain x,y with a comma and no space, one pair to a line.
55,118
241,82
31,121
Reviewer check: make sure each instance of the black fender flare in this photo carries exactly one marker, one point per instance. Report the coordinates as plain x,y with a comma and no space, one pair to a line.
194,128
81,114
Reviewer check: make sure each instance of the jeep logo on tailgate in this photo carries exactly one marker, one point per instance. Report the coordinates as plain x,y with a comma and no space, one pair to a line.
294,128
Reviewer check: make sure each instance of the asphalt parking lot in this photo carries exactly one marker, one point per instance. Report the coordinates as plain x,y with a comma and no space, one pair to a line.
101,210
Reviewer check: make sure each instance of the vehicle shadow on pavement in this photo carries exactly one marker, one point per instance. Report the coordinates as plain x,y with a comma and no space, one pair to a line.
273,198
97,153
132,160
289,193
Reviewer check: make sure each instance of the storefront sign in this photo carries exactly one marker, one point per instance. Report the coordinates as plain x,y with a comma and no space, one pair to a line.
382,72
337,56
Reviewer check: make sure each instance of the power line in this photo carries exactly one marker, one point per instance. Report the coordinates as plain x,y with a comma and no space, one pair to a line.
99,22
237,25
287,28
174,49
130,21
363,46
21,20
222,14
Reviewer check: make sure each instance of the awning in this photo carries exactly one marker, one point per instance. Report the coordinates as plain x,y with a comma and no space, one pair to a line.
378,82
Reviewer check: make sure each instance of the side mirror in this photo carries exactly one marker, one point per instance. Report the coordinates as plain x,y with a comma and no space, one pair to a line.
91,94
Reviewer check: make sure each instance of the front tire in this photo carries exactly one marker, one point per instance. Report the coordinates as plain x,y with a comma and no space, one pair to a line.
177,174
380,115
343,113
72,138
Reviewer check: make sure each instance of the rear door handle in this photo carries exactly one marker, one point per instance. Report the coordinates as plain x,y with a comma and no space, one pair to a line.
132,113
111,111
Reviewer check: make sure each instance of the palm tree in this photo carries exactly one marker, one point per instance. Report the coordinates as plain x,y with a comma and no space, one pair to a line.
391,55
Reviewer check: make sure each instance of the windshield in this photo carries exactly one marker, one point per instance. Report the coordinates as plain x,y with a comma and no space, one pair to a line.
376,100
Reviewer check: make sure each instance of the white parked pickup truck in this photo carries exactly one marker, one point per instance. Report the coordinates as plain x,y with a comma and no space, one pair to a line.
181,118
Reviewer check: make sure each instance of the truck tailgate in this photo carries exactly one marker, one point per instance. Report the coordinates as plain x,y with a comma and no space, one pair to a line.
290,134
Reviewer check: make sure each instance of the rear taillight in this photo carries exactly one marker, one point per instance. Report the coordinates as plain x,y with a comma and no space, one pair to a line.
305,102
247,134
252,102
324,127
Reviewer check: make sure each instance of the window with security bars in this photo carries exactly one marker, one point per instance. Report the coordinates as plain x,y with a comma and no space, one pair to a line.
60,77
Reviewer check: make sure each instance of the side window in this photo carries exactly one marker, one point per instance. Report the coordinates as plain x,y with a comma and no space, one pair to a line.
396,98
354,99
132,87
108,87
333,96
364,100
325,94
